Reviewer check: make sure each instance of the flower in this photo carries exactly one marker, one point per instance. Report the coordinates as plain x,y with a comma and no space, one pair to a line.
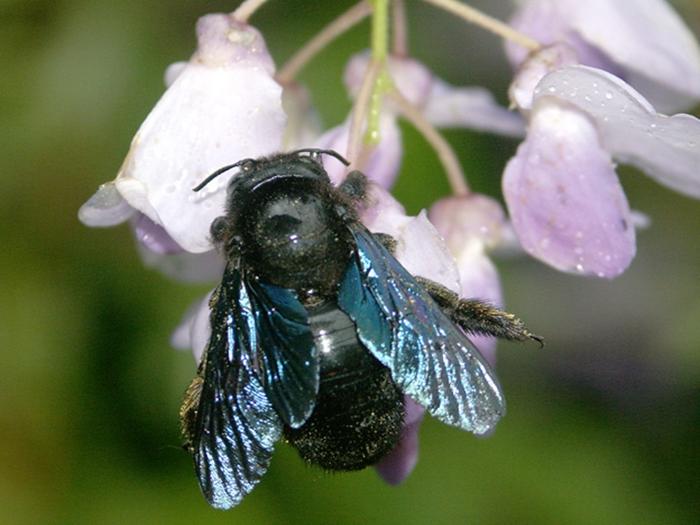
440,103
644,43
472,226
223,105
566,203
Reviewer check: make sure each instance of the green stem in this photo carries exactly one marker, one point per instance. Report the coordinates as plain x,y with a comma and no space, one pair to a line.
380,50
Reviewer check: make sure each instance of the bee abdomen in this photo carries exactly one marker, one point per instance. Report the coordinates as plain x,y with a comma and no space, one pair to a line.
359,410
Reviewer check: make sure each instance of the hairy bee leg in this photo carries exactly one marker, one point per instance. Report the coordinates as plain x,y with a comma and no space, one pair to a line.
354,186
188,411
387,241
478,317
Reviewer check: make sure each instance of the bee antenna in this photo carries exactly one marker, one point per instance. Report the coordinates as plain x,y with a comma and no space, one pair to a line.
219,172
317,151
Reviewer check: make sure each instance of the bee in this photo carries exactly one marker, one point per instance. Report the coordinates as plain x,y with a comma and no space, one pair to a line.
318,332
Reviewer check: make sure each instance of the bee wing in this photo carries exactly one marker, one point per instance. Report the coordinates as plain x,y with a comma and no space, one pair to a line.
289,358
430,358
236,426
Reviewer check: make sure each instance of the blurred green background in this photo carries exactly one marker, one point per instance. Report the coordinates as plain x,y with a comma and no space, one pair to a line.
603,424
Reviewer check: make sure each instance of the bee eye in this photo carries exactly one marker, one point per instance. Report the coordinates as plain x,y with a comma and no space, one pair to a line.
219,229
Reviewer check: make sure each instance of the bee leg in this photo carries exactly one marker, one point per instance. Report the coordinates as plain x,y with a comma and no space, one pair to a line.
188,411
478,317
387,241
354,186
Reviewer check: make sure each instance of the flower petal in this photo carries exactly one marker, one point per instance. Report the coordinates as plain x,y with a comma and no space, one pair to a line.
647,39
564,198
303,123
400,462
470,107
471,225
538,64
422,251
461,220
223,106
154,237
382,166
105,208
194,330
173,71
411,78
666,148
187,267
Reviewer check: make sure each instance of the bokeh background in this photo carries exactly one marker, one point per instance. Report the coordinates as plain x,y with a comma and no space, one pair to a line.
603,424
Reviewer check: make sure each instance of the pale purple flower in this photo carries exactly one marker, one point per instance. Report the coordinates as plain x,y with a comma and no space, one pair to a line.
442,105
643,42
223,105
472,226
566,203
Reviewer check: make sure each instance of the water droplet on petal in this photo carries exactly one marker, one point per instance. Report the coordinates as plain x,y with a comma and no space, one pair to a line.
609,95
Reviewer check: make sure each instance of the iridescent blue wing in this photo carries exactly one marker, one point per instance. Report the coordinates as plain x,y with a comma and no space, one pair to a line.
260,370
430,358
289,359
236,426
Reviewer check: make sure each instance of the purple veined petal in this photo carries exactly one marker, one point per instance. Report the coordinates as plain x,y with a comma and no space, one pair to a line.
222,107
448,106
665,148
411,78
396,466
423,252
564,197
645,41
382,166
105,208
194,329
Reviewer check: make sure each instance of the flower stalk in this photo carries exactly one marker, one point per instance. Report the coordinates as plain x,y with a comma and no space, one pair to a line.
318,43
246,9
445,153
487,22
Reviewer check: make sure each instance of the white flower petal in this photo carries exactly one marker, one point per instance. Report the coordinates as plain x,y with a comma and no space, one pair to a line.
422,251
383,213
303,123
222,106
666,148
210,117
173,71
470,107
105,208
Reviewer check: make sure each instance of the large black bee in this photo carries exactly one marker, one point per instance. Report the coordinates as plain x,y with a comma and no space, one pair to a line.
318,332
